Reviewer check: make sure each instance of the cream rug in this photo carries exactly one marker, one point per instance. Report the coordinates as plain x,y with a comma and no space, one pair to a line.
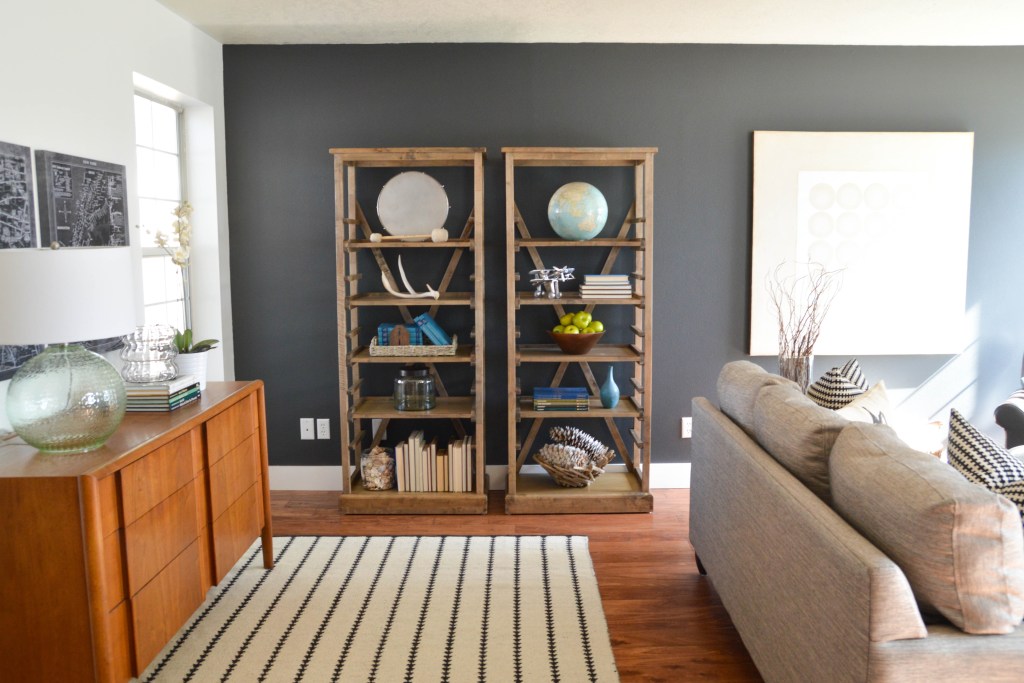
447,608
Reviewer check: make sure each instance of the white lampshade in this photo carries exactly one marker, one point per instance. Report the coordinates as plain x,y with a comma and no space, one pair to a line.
65,399
50,296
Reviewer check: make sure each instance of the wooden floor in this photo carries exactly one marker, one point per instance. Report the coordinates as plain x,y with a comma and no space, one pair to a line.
666,621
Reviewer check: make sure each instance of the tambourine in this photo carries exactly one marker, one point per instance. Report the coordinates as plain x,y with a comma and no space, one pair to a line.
412,203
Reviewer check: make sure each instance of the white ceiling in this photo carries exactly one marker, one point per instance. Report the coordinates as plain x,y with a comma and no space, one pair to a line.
819,22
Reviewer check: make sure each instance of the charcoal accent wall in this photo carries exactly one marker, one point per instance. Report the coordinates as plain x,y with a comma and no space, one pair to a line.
287,105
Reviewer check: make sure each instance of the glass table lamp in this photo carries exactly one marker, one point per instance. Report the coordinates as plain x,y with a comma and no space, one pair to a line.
66,399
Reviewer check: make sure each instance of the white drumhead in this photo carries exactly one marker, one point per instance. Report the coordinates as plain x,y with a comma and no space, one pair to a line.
412,203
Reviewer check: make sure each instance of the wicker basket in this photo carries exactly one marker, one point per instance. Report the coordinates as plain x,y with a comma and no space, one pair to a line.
570,474
419,350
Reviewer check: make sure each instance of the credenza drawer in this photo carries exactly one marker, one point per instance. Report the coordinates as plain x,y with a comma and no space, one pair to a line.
235,530
149,480
232,475
159,535
165,604
230,428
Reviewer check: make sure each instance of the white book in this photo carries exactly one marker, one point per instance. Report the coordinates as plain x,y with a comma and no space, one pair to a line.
399,468
414,462
453,448
467,458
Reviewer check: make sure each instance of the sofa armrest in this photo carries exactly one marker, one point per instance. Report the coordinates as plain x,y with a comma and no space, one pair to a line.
807,593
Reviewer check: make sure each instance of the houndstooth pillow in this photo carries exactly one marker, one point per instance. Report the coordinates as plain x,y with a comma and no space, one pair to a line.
839,386
981,461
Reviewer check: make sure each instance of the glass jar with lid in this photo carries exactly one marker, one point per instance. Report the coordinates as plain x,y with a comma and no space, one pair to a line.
414,388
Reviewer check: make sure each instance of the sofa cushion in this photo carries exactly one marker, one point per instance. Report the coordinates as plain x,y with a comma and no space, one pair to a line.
983,462
738,385
798,433
840,385
960,546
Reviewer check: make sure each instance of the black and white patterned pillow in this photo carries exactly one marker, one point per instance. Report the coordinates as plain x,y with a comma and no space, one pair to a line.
839,386
981,461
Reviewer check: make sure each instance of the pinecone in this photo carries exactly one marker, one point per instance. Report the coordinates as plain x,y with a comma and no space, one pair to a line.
599,454
563,456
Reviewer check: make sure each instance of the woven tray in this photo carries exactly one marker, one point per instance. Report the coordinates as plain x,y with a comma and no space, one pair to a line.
419,350
574,477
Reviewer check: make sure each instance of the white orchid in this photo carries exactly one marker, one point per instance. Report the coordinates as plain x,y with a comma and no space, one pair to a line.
182,230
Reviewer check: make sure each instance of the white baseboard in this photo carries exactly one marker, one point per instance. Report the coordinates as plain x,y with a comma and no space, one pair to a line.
670,475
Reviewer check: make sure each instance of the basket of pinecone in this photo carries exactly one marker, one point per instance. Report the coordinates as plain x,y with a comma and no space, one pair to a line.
575,458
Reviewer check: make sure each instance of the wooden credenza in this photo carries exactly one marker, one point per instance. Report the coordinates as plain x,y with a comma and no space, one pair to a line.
104,555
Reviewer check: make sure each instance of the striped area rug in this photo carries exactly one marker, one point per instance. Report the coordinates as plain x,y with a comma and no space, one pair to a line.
444,608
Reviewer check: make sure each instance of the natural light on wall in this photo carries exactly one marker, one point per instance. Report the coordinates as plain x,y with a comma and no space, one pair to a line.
161,186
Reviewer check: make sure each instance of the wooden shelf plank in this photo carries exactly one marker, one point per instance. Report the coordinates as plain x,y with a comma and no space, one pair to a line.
573,299
625,408
367,244
384,406
385,299
390,157
596,242
463,354
612,492
391,502
605,353
578,156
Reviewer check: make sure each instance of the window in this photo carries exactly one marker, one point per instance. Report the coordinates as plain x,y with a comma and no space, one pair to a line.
161,188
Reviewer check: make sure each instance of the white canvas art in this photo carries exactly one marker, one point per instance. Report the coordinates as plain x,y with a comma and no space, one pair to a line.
891,211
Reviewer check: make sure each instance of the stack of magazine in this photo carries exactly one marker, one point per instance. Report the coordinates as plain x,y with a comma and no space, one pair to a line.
149,397
561,398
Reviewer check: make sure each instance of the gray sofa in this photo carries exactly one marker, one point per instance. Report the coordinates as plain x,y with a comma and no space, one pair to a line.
811,596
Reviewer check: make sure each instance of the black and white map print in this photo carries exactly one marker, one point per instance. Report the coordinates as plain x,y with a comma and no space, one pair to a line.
17,213
83,202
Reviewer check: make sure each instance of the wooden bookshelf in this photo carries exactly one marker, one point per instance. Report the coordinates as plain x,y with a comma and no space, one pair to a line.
613,491
362,292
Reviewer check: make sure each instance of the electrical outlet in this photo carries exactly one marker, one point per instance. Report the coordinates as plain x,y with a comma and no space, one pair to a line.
323,428
306,428
687,428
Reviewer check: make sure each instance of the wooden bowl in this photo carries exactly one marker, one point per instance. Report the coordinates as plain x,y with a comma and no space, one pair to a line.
576,344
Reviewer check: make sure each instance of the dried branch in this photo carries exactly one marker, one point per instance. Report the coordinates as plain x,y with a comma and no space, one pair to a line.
801,303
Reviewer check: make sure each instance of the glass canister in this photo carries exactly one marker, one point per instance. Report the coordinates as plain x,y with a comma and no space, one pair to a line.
148,354
414,388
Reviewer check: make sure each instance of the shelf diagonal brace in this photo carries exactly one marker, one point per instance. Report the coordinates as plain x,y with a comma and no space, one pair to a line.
538,421
538,262
628,456
613,253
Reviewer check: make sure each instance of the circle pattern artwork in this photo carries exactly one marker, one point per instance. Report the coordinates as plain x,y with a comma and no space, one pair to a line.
412,203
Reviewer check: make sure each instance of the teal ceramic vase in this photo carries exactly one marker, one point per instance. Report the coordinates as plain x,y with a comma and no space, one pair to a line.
610,390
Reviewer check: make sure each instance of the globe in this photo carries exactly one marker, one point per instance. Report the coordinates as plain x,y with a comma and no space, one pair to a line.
577,211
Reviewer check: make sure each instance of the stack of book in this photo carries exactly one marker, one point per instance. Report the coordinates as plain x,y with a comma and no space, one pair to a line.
432,330
606,287
420,466
561,398
149,397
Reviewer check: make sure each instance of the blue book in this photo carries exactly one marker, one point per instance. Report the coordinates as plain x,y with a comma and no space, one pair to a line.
384,334
560,392
432,330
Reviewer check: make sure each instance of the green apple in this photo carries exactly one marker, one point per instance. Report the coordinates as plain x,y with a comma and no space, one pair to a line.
590,329
571,329
558,329
582,319
566,319
597,325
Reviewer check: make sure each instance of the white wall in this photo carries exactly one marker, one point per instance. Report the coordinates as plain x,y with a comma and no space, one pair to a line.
69,75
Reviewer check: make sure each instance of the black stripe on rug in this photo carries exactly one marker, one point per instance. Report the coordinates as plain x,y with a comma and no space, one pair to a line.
446,666
588,654
299,612
549,615
486,616
393,612
410,666
347,647
318,636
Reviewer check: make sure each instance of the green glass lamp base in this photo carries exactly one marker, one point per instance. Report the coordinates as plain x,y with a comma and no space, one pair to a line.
66,400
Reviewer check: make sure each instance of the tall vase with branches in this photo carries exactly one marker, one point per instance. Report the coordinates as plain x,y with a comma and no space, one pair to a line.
801,303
